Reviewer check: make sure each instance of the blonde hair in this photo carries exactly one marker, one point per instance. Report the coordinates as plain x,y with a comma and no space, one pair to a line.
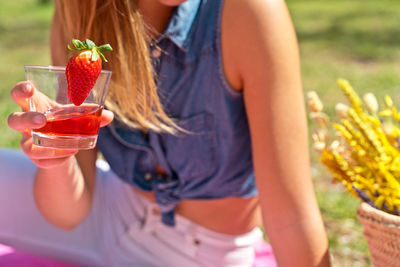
132,94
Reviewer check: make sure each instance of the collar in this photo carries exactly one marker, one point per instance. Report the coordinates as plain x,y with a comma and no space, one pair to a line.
181,22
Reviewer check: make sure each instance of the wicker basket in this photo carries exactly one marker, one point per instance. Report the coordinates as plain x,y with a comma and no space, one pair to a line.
382,232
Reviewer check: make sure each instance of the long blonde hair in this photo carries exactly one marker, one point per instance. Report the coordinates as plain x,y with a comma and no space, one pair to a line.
132,95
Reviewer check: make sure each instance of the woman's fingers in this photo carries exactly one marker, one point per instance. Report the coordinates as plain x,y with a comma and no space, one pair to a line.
21,93
43,153
50,163
21,121
106,117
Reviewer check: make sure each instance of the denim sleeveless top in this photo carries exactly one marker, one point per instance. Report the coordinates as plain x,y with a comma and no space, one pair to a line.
214,159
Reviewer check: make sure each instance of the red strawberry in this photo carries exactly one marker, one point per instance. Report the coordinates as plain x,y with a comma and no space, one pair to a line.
83,69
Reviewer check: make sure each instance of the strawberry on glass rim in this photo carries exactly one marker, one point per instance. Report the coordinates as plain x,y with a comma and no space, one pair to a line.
84,68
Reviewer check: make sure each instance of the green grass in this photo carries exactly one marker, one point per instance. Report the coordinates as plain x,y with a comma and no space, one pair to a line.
357,40
24,31
354,39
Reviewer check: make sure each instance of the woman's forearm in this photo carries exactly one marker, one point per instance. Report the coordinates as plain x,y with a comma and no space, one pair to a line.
299,242
62,195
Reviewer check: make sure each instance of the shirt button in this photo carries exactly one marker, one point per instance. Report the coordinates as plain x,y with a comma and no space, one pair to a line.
147,176
156,53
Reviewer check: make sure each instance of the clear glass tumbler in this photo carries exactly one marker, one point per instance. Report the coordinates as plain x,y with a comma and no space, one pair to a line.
68,126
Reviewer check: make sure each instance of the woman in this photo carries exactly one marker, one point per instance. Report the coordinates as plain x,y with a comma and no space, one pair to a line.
229,98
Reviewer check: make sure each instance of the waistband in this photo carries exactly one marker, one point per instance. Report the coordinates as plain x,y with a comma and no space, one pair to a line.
152,220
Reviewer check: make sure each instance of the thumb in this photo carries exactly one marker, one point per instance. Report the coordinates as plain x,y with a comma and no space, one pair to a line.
106,117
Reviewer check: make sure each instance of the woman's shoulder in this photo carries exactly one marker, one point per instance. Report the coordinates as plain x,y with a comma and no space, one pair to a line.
252,18
254,6
249,30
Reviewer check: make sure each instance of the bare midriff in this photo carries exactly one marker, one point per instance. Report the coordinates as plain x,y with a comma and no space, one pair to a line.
232,215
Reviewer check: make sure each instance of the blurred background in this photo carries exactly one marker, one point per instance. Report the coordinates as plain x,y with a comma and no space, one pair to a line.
354,39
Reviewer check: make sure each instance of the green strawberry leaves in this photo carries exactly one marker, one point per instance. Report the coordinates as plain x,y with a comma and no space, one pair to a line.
90,45
105,48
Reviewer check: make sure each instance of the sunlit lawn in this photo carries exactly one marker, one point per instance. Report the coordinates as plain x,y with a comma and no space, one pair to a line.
355,39
24,38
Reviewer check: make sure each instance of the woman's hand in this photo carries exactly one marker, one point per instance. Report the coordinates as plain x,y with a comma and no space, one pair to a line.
63,193
25,121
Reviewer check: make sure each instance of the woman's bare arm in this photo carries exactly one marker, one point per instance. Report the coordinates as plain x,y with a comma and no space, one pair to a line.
261,53
62,193
64,183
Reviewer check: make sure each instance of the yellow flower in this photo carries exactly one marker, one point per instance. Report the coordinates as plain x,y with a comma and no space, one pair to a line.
388,128
314,102
351,94
342,110
320,118
319,135
335,146
319,146
371,103
364,153
386,113
388,101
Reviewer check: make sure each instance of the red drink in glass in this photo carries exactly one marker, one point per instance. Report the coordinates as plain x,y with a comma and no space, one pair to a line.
68,126
72,121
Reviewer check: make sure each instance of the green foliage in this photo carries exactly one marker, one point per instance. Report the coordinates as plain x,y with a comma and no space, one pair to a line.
354,39
24,31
